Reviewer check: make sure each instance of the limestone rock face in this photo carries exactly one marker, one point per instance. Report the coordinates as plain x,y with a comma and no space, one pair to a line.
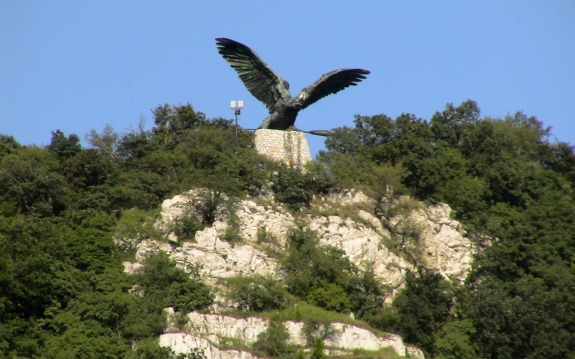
184,343
363,245
368,240
445,246
255,218
442,240
349,337
344,336
244,329
345,197
414,352
217,258
131,268
185,204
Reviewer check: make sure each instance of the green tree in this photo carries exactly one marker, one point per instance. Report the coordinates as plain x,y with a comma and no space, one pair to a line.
64,147
317,350
8,144
423,307
29,180
258,294
293,188
274,341
165,285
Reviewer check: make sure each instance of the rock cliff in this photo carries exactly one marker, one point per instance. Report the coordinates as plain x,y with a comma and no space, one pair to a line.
206,330
402,234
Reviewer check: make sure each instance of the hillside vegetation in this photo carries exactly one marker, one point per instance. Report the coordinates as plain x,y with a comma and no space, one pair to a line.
64,293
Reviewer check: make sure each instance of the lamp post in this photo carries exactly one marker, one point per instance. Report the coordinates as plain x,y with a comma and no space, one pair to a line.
237,107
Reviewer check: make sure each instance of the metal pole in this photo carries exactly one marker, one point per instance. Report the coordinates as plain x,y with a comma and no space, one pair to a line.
237,112
237,107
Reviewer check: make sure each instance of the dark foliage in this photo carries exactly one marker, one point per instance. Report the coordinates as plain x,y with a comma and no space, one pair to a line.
503,178
63,292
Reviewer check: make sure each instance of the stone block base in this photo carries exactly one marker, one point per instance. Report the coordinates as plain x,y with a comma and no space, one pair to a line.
290,148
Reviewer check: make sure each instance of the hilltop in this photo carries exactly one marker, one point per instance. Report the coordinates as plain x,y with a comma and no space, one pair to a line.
447,238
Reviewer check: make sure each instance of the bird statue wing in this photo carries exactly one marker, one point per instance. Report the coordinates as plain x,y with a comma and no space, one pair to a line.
331,83
257,76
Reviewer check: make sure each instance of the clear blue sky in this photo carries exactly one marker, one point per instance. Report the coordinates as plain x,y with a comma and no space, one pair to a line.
79,65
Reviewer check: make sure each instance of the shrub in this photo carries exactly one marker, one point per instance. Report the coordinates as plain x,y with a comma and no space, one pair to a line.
293,188
165,285
186,227
258,294
274,341
232,232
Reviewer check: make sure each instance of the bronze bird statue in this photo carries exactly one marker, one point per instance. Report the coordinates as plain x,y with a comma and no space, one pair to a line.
273,90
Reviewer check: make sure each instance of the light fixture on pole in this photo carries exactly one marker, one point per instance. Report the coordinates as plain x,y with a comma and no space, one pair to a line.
237,107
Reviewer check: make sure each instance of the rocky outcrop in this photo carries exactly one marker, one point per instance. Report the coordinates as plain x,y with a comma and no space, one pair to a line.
446,246
185,343
363,245
440,240
246,330
443,241
406,232
216,258
131,268
345,197
349,337
255,218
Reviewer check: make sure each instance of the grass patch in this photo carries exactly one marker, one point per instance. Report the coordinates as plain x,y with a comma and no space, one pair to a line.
384,353
305,312
229,343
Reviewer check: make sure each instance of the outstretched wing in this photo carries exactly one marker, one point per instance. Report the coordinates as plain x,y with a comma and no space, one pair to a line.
258,77
331,83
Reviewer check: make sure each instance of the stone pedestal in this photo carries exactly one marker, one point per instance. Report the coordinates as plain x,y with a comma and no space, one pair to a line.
287,147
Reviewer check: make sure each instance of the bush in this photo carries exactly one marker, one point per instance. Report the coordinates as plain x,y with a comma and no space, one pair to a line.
314,330
232,232
186,227
324,276
133,225
330,297
423,306
258,294
293,188
274,341
165,285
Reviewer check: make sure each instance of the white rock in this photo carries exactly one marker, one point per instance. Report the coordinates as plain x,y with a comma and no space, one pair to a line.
443,240
276,222
363,246
445,246
246,330
131,268
184,343
414,352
